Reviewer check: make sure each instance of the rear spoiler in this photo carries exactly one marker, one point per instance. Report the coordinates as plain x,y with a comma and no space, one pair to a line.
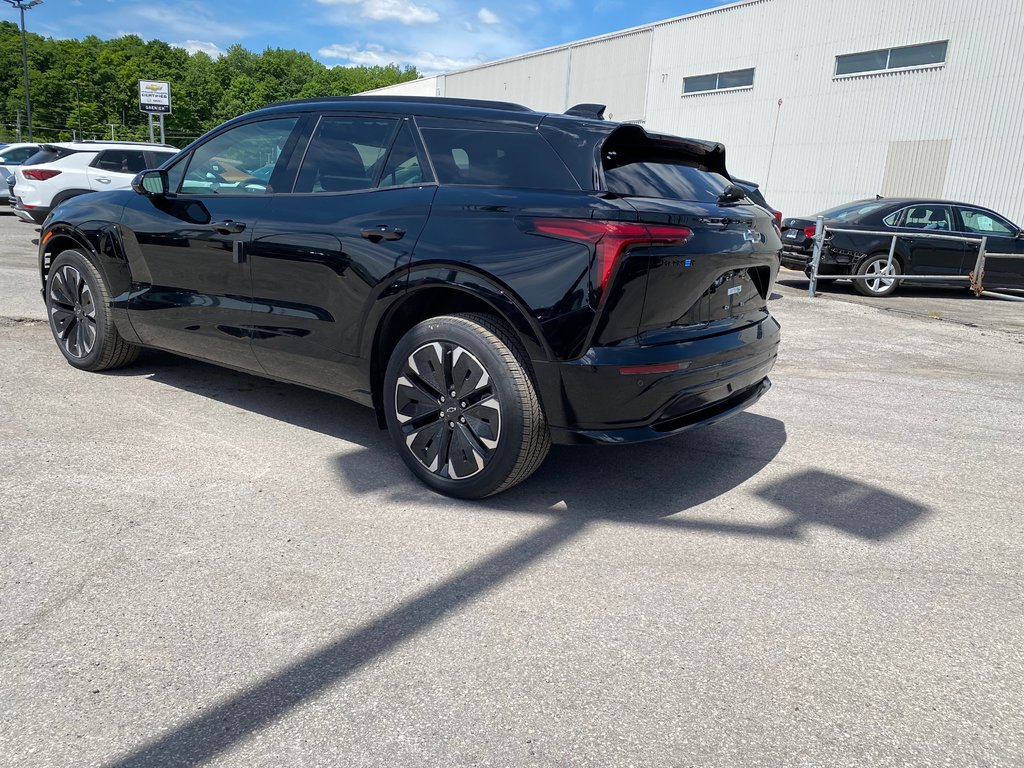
593,111
629,138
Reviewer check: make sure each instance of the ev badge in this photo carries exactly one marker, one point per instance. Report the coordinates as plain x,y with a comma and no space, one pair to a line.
753,236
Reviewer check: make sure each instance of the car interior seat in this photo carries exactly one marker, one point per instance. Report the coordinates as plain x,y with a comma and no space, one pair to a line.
332,164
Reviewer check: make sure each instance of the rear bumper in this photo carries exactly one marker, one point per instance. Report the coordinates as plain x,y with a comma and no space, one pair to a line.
795,260
35,215
718,377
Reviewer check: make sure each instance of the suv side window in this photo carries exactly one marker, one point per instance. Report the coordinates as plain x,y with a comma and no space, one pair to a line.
120,161
930,217
344,154
496,158
403,165
238,161
984,223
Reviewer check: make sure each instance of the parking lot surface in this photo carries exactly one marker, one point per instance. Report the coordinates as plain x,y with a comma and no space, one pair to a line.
202,567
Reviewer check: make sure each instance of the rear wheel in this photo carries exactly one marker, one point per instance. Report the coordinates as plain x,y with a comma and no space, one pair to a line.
883,276
461,407
78,306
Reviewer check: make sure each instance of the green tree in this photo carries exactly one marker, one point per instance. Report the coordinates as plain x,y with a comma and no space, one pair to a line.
205,92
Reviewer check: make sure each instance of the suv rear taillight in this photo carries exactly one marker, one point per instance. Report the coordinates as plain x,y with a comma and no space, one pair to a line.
778,218
610,238
38,175
809,231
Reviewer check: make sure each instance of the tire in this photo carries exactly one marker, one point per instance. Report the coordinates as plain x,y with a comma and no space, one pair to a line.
886,283
78,307
493,434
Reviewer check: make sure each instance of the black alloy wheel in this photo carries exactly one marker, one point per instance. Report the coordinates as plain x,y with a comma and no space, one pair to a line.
78,306
446,405
461,407
72,312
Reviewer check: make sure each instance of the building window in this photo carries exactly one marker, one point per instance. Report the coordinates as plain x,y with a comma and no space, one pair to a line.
905,57
720,81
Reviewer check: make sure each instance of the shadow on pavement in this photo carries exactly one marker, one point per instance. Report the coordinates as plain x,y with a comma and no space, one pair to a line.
652,485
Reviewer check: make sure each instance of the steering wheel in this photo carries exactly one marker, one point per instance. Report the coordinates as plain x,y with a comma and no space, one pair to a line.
252,183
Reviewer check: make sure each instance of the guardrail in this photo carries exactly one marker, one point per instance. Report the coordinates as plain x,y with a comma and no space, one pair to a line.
974,278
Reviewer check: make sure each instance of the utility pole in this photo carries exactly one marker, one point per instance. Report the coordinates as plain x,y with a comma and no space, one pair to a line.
78,99
24,5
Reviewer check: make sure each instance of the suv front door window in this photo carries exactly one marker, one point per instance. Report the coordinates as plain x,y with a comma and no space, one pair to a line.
238,161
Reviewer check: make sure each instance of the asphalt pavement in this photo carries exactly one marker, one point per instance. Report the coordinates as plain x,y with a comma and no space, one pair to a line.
200,567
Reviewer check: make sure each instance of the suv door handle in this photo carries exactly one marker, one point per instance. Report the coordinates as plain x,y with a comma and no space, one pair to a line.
228,227
102,179
382,232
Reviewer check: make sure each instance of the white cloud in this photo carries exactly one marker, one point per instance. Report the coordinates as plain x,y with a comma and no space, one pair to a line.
426,63
488,16
403,11
194,46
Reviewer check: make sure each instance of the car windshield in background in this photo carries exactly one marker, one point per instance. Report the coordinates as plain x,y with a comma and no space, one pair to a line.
852,211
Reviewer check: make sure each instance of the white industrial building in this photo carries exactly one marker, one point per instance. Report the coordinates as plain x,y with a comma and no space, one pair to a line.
820,101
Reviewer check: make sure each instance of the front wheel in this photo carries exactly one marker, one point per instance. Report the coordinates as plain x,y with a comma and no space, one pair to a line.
883,277
78,306
461,406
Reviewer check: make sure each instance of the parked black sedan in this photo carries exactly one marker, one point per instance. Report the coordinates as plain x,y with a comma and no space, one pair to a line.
868,254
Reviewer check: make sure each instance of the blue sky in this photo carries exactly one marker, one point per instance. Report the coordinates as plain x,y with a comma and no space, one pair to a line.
433,35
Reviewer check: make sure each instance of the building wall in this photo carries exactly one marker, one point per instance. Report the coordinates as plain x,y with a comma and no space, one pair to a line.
956,131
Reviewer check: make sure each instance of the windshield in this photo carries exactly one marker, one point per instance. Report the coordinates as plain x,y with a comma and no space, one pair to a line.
852,211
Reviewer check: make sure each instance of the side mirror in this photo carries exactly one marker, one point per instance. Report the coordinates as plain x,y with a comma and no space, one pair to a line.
151,183
1019,235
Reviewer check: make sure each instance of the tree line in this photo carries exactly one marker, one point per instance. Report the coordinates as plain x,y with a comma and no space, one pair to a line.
204,91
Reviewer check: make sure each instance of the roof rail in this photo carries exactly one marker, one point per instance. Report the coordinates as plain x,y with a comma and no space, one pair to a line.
440,100
112,141
594,111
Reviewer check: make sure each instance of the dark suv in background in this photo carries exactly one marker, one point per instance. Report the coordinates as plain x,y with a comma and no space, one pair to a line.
490,279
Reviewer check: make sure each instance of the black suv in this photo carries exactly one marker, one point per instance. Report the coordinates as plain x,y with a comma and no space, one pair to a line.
488,278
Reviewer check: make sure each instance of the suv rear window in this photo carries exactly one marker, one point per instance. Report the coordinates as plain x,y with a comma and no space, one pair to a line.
496,158
49,155
675,180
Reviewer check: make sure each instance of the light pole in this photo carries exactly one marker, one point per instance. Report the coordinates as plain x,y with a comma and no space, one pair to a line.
24,5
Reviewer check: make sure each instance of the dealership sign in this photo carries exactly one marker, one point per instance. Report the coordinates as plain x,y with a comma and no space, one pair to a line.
154,97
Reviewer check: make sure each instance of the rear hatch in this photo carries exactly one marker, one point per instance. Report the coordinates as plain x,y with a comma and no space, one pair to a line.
714,279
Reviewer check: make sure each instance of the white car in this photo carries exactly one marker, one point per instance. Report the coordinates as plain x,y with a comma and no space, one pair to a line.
12,155
60,171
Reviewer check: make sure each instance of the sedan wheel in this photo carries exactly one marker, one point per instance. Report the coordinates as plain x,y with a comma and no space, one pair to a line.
883,276
461,406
